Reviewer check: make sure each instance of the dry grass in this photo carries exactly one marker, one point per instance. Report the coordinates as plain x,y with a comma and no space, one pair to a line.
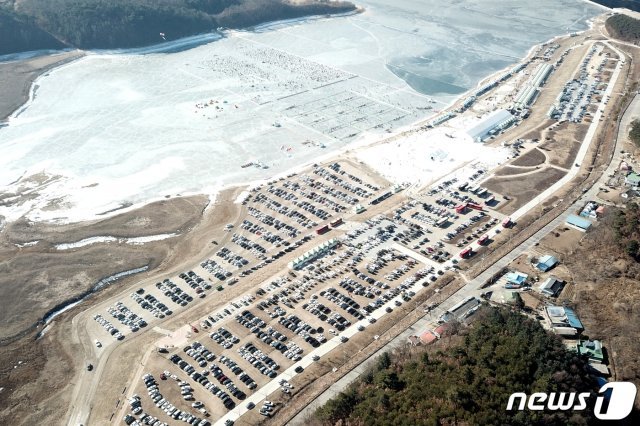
607,298
564,144
510,171
35,279
523,189
535,157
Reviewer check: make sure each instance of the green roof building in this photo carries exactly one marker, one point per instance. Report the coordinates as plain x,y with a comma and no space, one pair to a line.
592,349
632,179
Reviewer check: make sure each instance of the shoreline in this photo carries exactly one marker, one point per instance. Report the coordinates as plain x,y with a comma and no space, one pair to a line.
364,141
184,43
18,78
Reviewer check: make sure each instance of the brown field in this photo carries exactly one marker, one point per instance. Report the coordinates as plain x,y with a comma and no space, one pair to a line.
563,143
511,171
525,188
535,157
37,278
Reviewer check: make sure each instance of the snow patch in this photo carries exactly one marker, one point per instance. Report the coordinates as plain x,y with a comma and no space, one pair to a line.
110,239
423,158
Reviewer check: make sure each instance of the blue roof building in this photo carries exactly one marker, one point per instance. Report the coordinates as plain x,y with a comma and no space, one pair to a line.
578,223
516,277
563,317
573,319
546,263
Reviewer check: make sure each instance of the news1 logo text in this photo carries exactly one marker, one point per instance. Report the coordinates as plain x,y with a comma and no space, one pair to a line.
620,397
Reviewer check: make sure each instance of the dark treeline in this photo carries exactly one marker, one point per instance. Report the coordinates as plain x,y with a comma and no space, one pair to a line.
467,383
90,24
628,4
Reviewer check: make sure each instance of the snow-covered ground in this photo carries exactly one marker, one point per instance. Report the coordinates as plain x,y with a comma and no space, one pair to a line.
123,128
425,157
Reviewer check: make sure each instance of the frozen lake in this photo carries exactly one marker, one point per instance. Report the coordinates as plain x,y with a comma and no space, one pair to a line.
125,128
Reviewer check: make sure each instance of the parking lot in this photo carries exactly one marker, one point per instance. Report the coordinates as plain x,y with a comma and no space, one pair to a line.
580,95
357,249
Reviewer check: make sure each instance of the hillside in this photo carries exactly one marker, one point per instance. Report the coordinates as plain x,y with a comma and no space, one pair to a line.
623,27
467,383
87,24
606,269
18,34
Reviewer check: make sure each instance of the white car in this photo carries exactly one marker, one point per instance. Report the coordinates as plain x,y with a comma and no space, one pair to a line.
98,344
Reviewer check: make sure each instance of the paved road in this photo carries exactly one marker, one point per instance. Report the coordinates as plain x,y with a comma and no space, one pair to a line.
474,287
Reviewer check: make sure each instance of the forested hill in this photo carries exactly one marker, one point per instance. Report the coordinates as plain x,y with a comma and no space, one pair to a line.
624,27
466,383
87,24
19,33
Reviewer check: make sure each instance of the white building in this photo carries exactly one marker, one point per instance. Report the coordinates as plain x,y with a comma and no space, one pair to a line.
491,124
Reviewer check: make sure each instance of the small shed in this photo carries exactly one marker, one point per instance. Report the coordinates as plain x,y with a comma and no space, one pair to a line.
511,297
441,330
428,337
552,286
414,340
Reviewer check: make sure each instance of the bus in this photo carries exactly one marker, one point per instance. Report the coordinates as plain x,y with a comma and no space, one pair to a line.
466,253
322,229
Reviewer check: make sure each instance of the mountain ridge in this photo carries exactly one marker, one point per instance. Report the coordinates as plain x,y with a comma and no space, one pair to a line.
107,24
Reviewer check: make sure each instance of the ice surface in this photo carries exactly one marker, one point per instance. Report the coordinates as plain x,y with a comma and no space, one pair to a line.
123,128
